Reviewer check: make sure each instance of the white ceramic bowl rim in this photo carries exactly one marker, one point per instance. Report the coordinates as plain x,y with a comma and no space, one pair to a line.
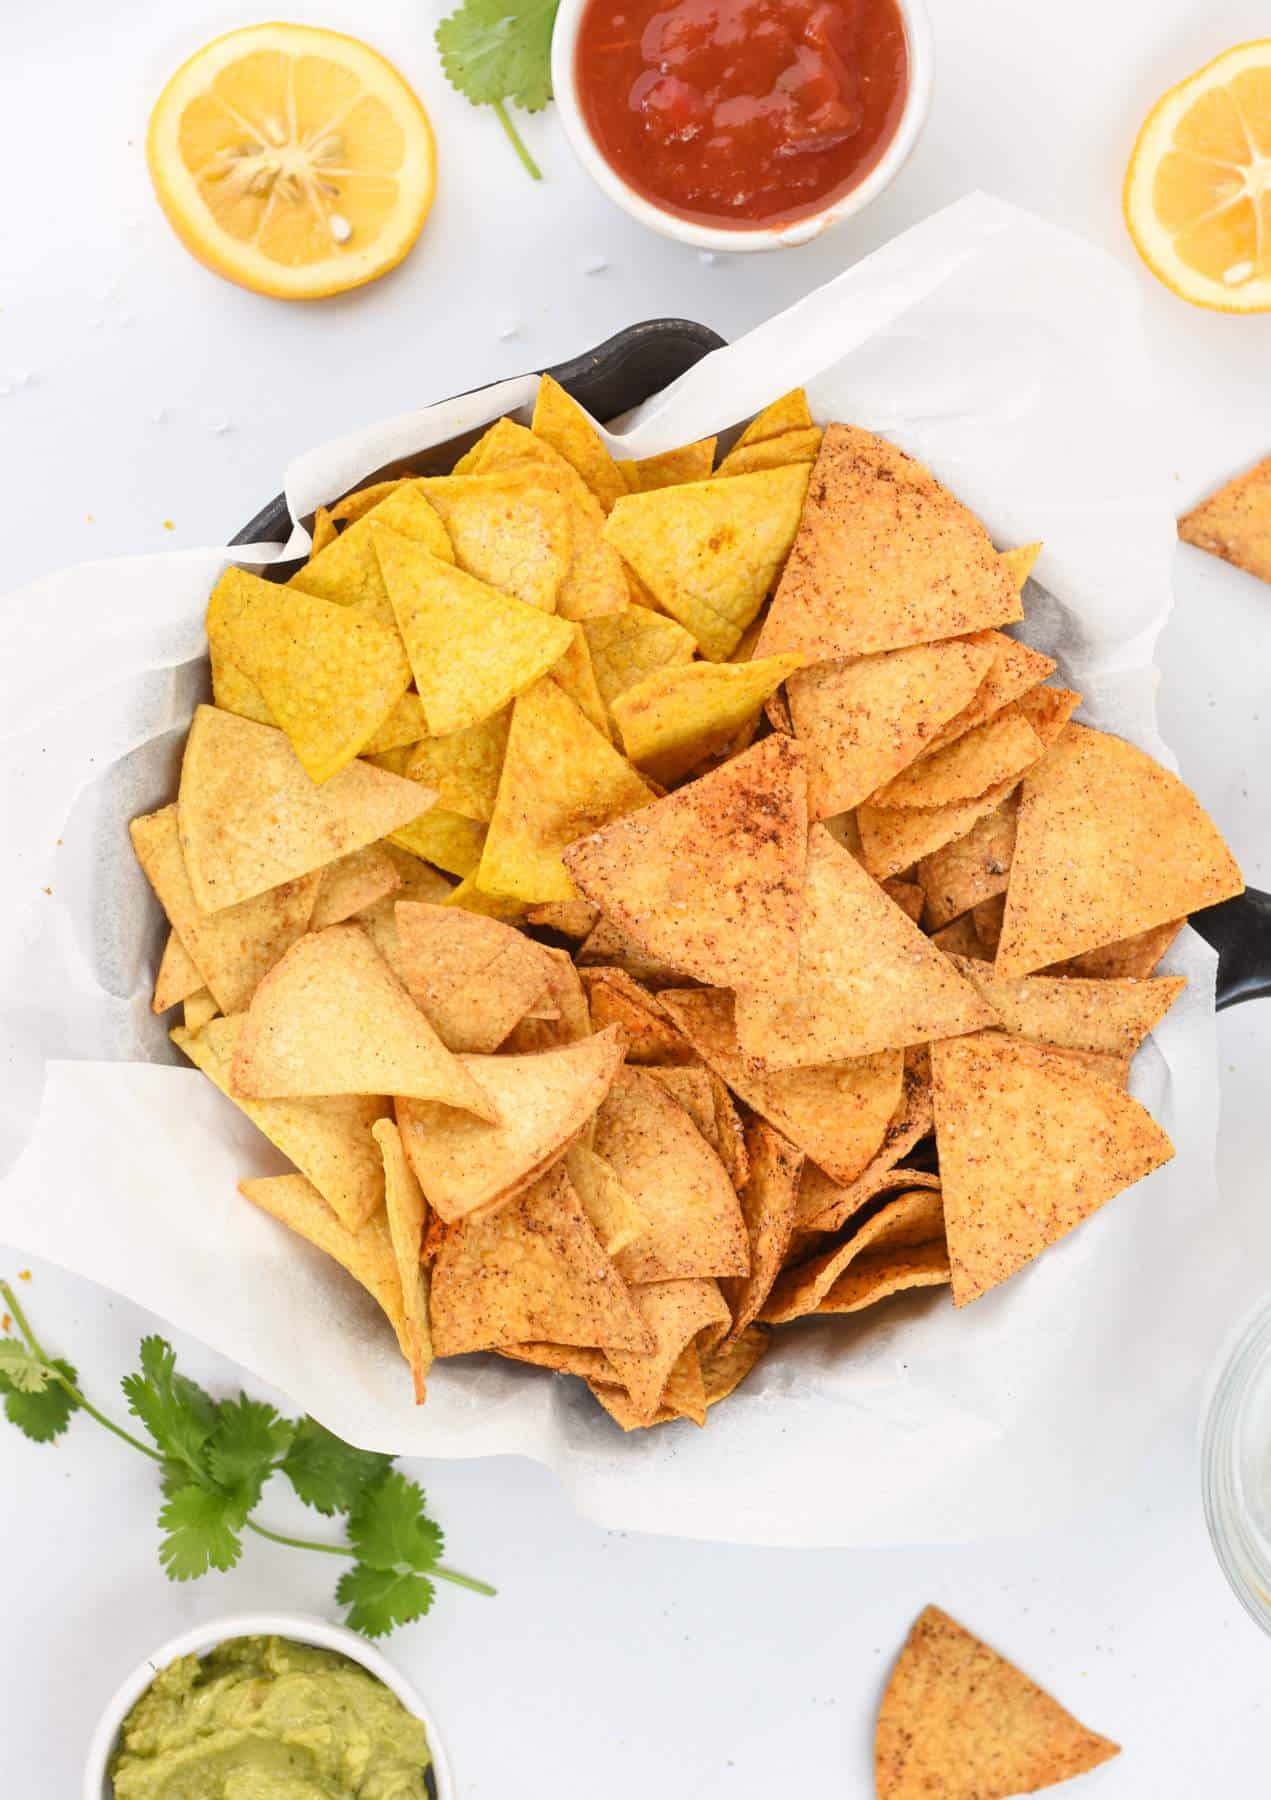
305,1629
709,237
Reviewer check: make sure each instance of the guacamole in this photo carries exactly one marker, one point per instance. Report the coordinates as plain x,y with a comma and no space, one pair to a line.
267,1719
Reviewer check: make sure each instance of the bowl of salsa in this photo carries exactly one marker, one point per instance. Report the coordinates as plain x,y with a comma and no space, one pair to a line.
742,124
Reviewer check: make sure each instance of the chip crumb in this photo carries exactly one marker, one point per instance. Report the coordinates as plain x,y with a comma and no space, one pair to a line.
169,525
24,1274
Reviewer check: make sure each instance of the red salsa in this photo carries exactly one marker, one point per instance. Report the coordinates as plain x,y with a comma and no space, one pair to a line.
742,113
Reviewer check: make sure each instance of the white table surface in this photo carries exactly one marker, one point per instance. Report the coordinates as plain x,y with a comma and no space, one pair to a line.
136,389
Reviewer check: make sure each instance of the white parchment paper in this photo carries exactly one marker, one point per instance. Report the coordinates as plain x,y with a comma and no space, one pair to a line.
1008,356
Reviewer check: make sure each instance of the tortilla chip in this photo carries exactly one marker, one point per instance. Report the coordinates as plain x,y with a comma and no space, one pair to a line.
836,1113
1109,844
1014,671
907,895
800,446
509,529
727,1366
675,1312
473,897
357,881
862,722
972,868
1235,522
417,881
534,1269
348,571
1004,746
960,939
616,999
445,838
544,1101
405,725
234,948
565,1359
607,947
472,977
789,413
825,1205
1020,561
562,423
729,1136
178,976
689,1085
565,994
251,819
329,1140
560,779
905,1222
987,917
1135,956
324,532
332,1018
676,1180
768,1204
710,878
571,918
463,767
406,1209
959,1721
710,551
199,1009
1029,1147
357,504
691,462
233,692
1111,1016
873,1278
615,1218
885,556
628,647
867,977
894,838
675,717
576,677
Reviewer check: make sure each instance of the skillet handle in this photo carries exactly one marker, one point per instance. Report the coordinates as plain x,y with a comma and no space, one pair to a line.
1240,931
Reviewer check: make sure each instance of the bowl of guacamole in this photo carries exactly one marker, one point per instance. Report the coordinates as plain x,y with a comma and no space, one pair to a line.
267,1707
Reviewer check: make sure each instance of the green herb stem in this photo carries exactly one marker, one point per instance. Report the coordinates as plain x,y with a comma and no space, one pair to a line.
34,1345
518,144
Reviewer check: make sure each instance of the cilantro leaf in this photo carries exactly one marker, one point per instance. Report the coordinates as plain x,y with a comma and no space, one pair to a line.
22,1371
176,1411
201,1528
42,1413
327,1473
380,1599
249,1437
494,50
389,1528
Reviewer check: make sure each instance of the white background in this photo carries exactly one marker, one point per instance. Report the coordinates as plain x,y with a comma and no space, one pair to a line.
136,389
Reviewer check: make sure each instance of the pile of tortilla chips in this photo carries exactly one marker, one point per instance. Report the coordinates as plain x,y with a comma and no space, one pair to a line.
653,903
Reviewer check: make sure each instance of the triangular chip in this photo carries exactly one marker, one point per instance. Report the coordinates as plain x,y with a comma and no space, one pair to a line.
405,725
824,1205
356,505
768,1203
607,947
472,977
790,412
332,1018
615,1217
616,998
446,838
972,868
1133,957
509,529
710,879
894,838
1020,561
232,949
560,779
463,768
628,646
1030,1145
1004,745
676,1180
862,721
328,1140
874,1277
1109,843
1235,523
571,918
905,1222
179,976
562,423
690,462
1112,1016
957,1720
727,1366
709,552
575,676
675,1312
199,1009
532,1270
233,692
250,818
348,571
867,978
544,1101
689,1085
418,882
836,1113
324,532
565,1359
799,446
885,556
675,717
406,1208
350,885
1014,672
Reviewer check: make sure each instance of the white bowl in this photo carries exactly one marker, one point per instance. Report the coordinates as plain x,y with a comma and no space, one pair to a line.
301,1627
712,237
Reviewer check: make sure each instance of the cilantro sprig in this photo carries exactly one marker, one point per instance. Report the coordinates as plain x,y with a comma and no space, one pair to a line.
215,1459
494,51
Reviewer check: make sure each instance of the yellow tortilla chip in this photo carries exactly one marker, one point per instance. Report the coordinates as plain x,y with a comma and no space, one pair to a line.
404,726
710,878
1235,523
532,1270
788,413
445,838
972,868
353,883
676,1180
560,779
234,948
906,1222
885,556
324,532
873,1278
251,819
472,977
690,462
179,975
616,999
463,768
356,505
348,571
1030,1145
576,677
562,423
1003,746
836,1113
544,1102
1111,1016
379,920
675,717
628,646
509,529
861,722
233,692
1132,957
959,1721
329,1140
615,1218
801,446
710,551
199,1009
768,1203
1020,561
867,977
675,1312
571,918
1109,843
825,1205
473,898
406,1209
332,1018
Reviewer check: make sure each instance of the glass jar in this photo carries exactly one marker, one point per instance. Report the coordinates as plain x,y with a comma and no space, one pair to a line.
1236,1467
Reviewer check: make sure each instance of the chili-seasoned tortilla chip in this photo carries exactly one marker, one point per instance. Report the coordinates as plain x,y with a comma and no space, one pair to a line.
867,977
836,1113
199,1009
690,462
689,1085
862,721
677,1181
825,1208
329,1140
348,571
768,1203
908,896
234,948
562,423
615,1218
406,1209
800,446
233,692
905,1222
1235,522
709,552
1003,746
1109,844
987,917
710,879
564,993
972,868
1020,561
824,1205
472,977
509,529
544,1100
571,918
959,1722
675,717
565,1359
463,768
1014,672
1135,956
328,674
788,413
606,946
727,1366
533,1270
627,647
885,556
251,819
446,838
615,998
894,838
873,1278
404,726
675,1312
1030,1145
353,883
179,976
1112,1016
729,1137
332,1018
324,532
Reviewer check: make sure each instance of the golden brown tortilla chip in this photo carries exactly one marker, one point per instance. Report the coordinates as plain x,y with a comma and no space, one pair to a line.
768,1203
179,975
1029,1147
406,1209
1111,1016
690,462
908,896
1020,561
616,999
789,412
905,1222
565,1359
1109,844
472,977
960,939
445,838
607,947
676,717
894,838
615,1218
1135,956
1235,522
564,994
873,1278
959,1722
324,532
799,446
509,529
571,918
730,1134
726,1367
198,1009
824,1205
1014,671
353,883
1003,746
689,1085
972,868
675,1312
562,423
544,1101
